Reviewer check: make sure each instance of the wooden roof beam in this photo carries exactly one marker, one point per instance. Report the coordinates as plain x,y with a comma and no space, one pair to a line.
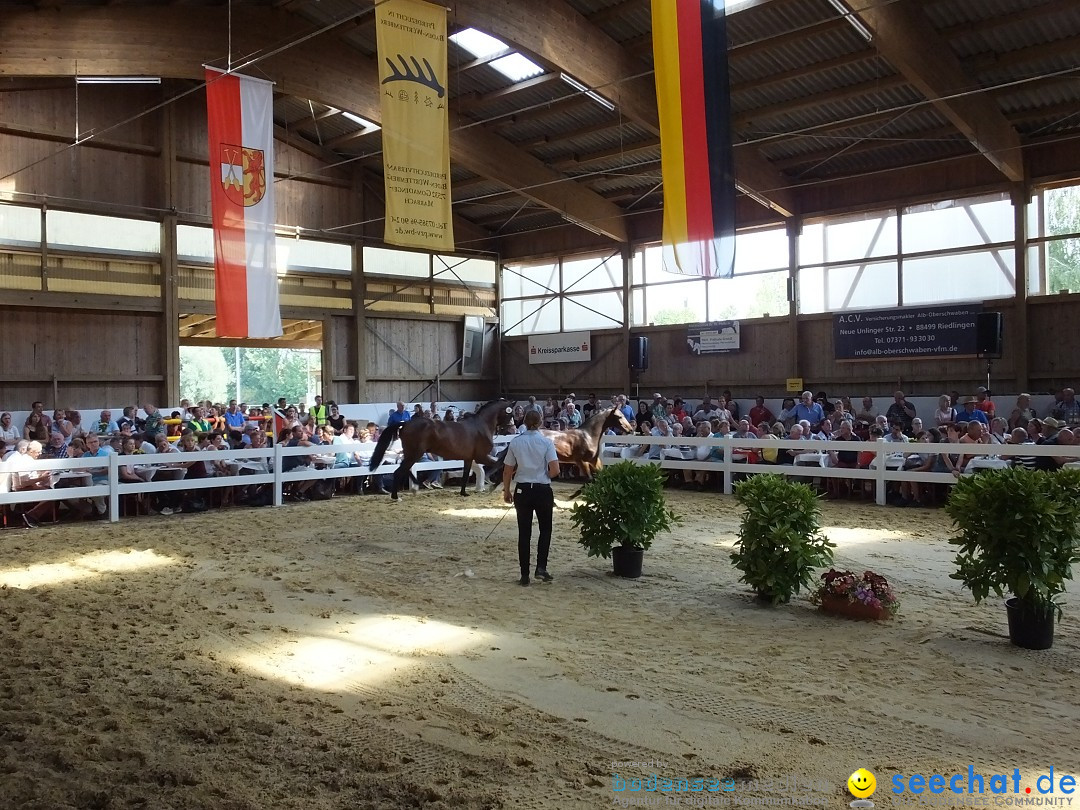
907,39
171,42
556,33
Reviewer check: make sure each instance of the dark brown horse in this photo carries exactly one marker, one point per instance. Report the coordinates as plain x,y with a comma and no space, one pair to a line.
468,440
582,446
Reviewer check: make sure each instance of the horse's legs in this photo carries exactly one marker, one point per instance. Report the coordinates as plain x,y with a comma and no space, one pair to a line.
464,477
481,476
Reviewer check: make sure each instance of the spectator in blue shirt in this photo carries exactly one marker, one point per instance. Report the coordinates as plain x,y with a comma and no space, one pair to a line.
971,413
398,416
809,410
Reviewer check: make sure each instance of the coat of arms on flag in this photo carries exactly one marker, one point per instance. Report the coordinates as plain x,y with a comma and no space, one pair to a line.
243,174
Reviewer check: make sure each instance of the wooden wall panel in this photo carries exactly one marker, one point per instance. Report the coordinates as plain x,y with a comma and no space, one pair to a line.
1054,359
99,358
405,355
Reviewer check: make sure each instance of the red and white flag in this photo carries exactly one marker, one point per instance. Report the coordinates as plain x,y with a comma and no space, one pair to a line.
241,122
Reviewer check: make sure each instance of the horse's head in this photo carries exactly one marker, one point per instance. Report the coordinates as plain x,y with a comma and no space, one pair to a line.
502,410
617,419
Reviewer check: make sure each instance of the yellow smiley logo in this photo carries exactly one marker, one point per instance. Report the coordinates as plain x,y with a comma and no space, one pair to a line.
862,784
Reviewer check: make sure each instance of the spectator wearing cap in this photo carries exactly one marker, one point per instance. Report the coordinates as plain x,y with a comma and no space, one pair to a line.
983,402
659,408
971,412
678,410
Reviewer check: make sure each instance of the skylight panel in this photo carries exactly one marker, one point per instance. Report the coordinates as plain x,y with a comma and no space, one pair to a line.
516,67
356,119
478,43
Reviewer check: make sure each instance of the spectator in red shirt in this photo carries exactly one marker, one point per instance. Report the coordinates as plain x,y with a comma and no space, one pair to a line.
759,413
983,403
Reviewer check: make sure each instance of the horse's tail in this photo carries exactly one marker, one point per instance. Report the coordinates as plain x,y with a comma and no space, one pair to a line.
388,435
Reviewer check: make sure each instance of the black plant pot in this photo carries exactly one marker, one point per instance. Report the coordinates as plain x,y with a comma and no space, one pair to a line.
1027,628
626,560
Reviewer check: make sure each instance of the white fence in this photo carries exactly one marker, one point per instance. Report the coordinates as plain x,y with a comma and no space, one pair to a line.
887,465
73,479
160,468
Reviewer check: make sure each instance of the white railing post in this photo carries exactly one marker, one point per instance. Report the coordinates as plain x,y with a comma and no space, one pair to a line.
729,483
277,473
880,473
114,491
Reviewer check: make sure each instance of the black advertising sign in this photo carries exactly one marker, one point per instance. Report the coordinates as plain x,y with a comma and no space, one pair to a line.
897,334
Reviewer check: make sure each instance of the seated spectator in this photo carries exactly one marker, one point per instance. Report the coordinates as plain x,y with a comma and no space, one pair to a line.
57,448
971,413
1022,413
945,413
698,478
335,419
38,408
706,412
867,413
731,405
896,433
572,415
998,428
1068,409
760,414
911,493
8,432
76,447
984,403
901,410
843,459
21,466
977,433
1034,430
678,410
77,429
36,428
1020,436
787,413
786,455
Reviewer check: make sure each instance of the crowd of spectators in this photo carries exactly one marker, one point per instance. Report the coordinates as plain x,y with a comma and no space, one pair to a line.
208,426
956,420
201,426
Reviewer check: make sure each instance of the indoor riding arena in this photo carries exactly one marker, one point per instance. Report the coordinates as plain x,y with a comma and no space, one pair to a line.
274,272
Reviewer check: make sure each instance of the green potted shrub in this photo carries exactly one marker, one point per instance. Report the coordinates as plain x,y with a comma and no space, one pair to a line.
1018,534
620,512
780,541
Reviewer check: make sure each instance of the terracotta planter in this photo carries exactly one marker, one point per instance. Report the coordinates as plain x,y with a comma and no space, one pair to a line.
839,606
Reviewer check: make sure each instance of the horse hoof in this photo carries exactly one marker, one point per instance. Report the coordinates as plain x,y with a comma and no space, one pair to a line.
465,494
395,497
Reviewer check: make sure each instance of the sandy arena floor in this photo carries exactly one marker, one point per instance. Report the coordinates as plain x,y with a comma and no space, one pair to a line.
361,654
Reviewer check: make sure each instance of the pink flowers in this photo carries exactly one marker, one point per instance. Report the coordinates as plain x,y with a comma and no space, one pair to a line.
871,589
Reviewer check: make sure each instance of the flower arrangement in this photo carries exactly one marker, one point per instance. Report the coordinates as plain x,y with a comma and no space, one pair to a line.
869,596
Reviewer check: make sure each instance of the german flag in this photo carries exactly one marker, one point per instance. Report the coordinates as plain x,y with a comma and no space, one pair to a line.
693,97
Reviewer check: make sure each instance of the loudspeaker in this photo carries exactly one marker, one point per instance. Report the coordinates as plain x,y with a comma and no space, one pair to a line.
989,329
638,356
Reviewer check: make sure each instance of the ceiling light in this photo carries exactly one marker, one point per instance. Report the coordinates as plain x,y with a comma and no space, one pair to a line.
852,19
583,88
570,80
516,67
599,99
478,43
118,80
356,119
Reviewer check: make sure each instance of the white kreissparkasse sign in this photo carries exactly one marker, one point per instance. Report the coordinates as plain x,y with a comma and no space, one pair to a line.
563,347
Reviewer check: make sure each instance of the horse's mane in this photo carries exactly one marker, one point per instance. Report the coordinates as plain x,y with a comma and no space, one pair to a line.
598,416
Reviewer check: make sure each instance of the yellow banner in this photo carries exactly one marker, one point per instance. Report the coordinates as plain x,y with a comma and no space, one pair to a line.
416,126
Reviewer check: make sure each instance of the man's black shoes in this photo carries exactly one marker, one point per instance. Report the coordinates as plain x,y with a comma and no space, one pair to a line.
542,574
524,580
